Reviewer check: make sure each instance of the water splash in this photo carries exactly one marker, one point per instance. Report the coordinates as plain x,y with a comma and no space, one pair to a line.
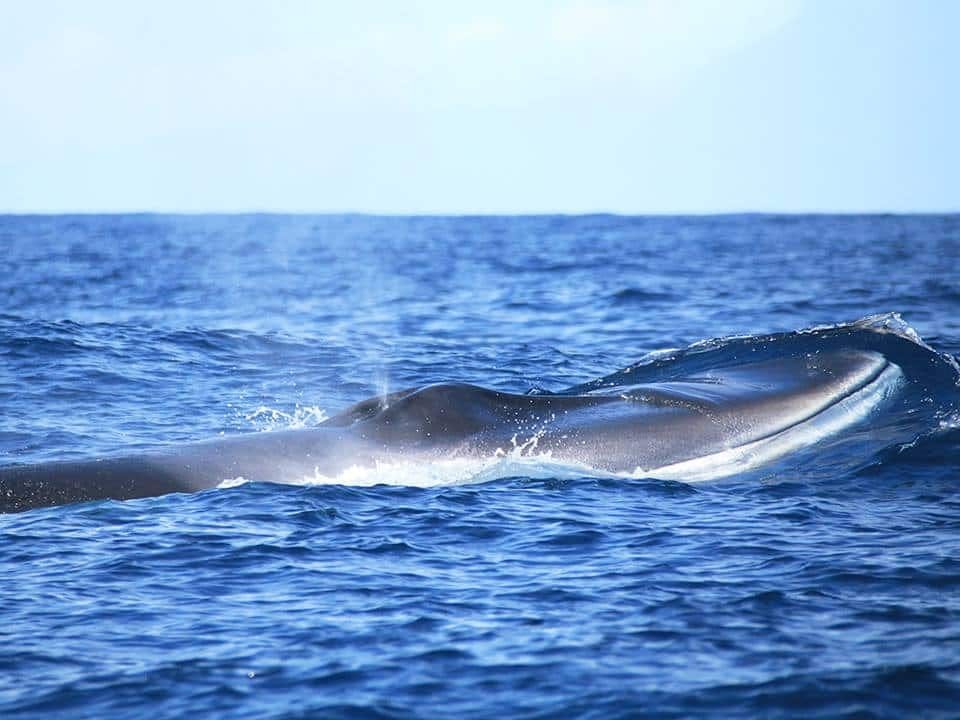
267,419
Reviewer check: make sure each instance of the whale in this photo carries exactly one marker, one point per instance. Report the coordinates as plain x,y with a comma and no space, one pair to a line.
700,421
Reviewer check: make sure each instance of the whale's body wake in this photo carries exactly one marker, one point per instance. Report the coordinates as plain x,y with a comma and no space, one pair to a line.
714,409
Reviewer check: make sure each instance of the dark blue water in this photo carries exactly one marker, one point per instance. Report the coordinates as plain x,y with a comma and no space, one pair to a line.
828,586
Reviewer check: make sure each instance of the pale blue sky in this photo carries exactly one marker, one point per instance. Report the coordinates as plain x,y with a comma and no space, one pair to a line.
447,107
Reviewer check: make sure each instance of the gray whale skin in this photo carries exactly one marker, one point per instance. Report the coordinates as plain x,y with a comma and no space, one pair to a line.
709,424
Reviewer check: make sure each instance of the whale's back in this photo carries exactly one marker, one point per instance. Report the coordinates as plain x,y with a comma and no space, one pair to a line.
646,426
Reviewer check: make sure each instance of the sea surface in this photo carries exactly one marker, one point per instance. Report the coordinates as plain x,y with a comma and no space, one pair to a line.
825,586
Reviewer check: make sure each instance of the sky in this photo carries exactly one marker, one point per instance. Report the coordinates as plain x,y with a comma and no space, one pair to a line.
497,107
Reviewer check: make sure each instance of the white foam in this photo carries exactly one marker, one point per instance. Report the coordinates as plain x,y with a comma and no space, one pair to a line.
438,473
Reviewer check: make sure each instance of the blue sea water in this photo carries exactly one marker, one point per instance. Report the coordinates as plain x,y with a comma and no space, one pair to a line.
826,587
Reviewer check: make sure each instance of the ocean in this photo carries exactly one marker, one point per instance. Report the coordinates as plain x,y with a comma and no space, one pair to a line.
824,585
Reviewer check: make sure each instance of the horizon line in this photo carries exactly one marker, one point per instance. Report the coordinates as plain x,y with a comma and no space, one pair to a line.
414,214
